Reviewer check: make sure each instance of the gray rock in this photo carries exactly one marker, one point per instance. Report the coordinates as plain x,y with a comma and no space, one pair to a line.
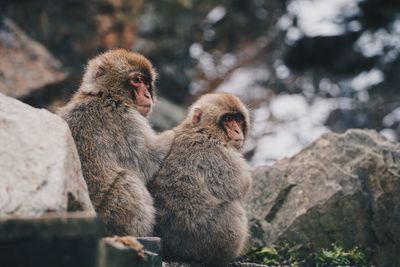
166,115
343,188
65,240
151,243
39,166
114,253
25,66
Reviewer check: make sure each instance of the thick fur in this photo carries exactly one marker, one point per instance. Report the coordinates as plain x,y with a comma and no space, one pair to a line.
201,186
115,142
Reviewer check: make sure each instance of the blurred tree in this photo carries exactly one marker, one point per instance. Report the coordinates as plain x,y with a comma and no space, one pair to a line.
197,46
362,62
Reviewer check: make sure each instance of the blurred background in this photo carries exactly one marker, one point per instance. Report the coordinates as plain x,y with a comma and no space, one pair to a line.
303,67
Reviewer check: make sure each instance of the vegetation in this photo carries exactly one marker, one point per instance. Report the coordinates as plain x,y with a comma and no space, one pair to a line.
338,256
297,256
277,255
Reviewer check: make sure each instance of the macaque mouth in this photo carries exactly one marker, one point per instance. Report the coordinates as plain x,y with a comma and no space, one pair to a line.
233,124
145,106
144,109
237,143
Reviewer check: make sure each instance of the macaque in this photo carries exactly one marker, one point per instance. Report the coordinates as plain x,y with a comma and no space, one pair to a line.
108,120
200,189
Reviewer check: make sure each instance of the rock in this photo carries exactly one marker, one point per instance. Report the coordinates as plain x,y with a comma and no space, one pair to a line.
75,31
151,243
25,66
39,164
53,240
166,114
343,188
127,251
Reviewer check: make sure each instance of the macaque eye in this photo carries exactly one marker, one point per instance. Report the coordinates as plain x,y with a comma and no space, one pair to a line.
228,118
233,117
238,118
135,79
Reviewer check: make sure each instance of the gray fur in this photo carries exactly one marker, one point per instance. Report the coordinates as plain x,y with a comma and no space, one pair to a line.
114,142
200,189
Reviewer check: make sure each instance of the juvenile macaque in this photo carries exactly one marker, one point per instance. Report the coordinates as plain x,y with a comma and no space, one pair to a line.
199,190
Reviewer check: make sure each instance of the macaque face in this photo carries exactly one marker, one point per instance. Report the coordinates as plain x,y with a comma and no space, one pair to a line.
143,97
233,126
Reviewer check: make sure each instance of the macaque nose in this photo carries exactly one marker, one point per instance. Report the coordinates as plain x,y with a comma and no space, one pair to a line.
144,91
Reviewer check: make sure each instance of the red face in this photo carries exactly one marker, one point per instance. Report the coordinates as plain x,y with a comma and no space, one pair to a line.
141,86
233,125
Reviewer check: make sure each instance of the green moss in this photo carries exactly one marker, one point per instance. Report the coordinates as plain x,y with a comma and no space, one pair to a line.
338,256
277,255
297,256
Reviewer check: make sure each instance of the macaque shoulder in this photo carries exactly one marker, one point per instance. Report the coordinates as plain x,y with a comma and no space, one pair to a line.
212,160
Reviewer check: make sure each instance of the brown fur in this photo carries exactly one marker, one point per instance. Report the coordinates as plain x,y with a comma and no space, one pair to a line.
115,142
200,188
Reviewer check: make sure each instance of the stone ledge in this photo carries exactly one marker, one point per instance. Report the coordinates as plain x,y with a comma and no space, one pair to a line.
116,254
69,240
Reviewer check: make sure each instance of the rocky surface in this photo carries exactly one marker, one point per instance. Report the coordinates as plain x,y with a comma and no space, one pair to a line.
342,188
166,114
39,165
52,240
129,251
25,65
77,30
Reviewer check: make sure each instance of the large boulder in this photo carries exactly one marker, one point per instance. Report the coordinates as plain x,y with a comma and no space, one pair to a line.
40,169
25,66
166,115
52,240
343,188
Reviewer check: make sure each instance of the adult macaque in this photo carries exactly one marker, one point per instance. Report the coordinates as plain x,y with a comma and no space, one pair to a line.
199,190
107,118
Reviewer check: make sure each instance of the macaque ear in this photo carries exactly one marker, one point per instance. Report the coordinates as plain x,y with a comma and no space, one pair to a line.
197,116
101,70
96,68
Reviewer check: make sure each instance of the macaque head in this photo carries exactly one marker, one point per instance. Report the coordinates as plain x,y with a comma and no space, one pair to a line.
126,75
224,115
